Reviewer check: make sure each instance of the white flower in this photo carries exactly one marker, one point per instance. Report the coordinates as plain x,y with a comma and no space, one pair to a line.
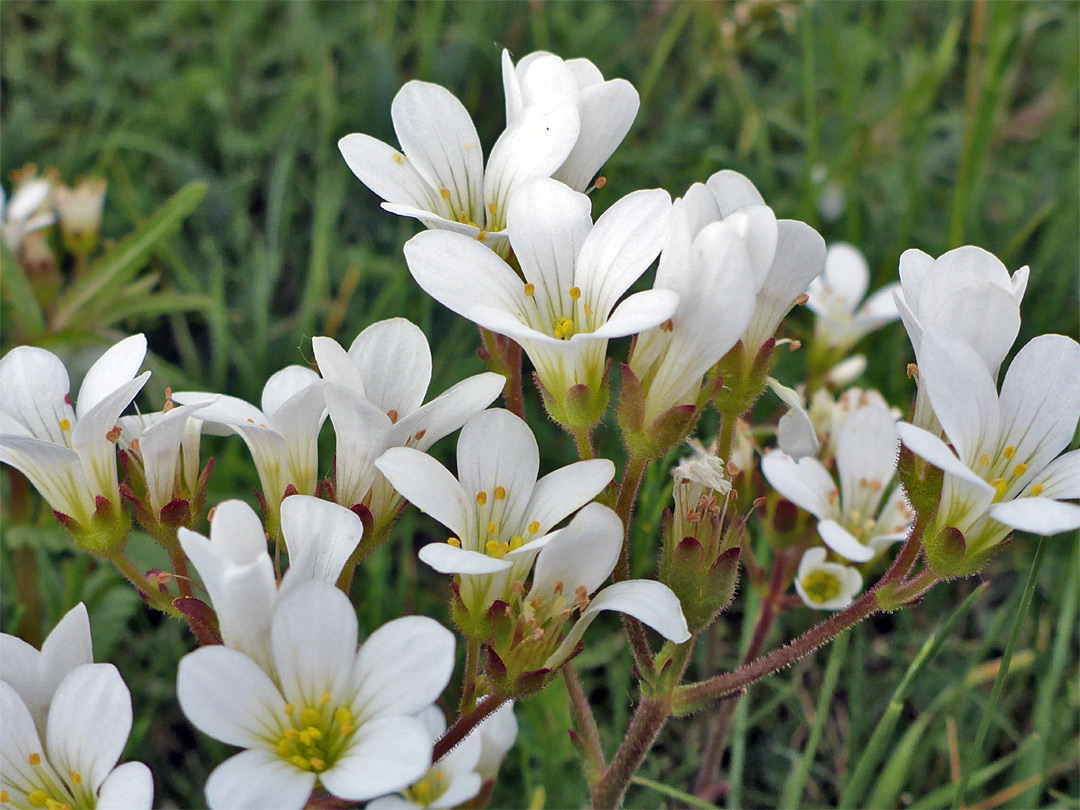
166,444
282,437
826,585
828,415
574,273
28,211
711,269
499,513
320,712
851,520
239,575
570,567
846,371
68,453
1003,469
835,295
451,781
375,397
497,736
439,176
795,431
64,722
787,254
79,210
606,109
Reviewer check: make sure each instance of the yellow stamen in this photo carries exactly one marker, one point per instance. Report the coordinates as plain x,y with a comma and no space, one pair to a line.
1000,485
1009,452
65,424
491,527
481,497
317,764
492,547
76,778
1036,490
533,527
300,762
309,717
35,759
398,159
1020,469
290,708
4,797
445,193
491,208
575,293
37,798
984,459
588,310
342,716
325,697
454,542
564,329
504,547
516,542
500,493
530,289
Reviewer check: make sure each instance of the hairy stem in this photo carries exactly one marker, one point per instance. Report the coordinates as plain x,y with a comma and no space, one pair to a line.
514,392
180,569
584,722
465,725
472,669
624,508
649,719
150,593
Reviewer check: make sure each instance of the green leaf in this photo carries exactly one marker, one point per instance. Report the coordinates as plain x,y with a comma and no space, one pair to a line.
117,265
25,309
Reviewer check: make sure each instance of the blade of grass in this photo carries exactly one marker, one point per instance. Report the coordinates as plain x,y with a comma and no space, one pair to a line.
975,751
674,793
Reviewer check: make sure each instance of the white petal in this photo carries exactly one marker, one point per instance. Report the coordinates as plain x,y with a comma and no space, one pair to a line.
567,489
387,172
956,270
256,780
866,451
384,755
1038,515
285,384
914,265
463,788
17,742
55,472
497,736
843,542
805,483
962,394
428,485
534,145
846,274
438,135
320,536
929,447
1060,479
621,246
607,110
498,449
129,787
402,667
34,387
548,224
395,364
650,602
98,454
117,366
811,559
19,669
314,641
447,559
159,447
448,411
582,555
1040,400
229,697
391,802
638,312
89,722
794,432
984,315
298,421
733,191
335,365
67,647
221,409
757,227
363,434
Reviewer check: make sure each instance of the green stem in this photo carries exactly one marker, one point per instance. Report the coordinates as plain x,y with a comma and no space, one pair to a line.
999,682
180,569
472,669
584,723
583,444
149,592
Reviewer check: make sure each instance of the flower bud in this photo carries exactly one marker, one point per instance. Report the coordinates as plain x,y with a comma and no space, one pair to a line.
79,210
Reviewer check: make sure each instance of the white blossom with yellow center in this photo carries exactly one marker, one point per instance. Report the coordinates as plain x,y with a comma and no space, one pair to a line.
826,585
64,722
835,297
498,511
321,712
68,452
1003,469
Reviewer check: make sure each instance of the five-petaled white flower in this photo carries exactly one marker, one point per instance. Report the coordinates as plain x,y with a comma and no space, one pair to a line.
320,712
851,520
499,512
375,396
238,573
27,211
606,109
1003,468
450,782
826,585
710,267
574,273
282,437
64,722
835,295
68,453
438,177
569,569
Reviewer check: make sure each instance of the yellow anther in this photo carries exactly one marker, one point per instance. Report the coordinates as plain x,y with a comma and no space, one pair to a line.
516,542
324,698
4,797
35,759
317,764
481,497
530,289
65,424
342,716
284,749
346,728
309,717
454,542
1009,452
588,310
445,193
1036,491
1000,485
984,459
575,293
305,737
37,798
533,527
500,493
504,547
491,527
300,762
53,804
1020,469
482,236
491,208
76,778
398,159
492,547
290,708
564,329
290,733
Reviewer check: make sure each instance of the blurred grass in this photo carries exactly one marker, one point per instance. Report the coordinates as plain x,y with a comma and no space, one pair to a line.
940,123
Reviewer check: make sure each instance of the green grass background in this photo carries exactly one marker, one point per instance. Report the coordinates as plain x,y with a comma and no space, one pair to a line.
943,123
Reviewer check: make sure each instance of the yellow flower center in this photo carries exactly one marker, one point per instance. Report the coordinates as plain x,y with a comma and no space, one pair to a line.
821,586
315,735
428,789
